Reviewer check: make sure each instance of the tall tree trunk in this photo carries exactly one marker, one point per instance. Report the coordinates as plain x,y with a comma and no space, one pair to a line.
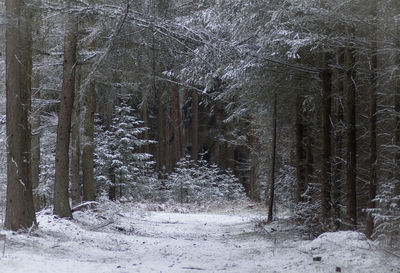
20,211
176,123
272,170
254,186
162,135
300,181
369,229
195,125
89,188
309,160
338,144
169,134
75,144
351,168
326,76
61,197
35,142
396,172
145,115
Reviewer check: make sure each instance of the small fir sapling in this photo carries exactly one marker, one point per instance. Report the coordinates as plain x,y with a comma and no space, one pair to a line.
117,154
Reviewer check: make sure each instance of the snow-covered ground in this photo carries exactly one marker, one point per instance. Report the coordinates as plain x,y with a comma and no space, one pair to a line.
130,238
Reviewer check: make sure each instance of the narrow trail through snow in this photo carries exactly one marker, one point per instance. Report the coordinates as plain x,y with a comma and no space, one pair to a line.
125,241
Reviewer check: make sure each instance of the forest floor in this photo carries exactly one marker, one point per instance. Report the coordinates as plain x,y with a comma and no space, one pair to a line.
126,238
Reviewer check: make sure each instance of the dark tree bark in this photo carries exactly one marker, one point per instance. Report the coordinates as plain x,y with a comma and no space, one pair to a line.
145,116
300,179
112,190
273,158
195,125
254,186
309,160
75,145
35,142
369,229
396,172
61,197
89,187
176,124
351,168
20,211
162,135
338,144
326,76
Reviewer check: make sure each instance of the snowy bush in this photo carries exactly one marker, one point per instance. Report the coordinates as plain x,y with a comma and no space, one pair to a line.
285,183
191,182
307,213
387,215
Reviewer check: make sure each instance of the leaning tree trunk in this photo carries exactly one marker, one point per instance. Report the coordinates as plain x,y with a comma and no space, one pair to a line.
20,211
351,193
61,197
89,189
326,76
272,170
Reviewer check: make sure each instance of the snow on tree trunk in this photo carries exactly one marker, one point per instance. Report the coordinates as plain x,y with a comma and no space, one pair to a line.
20,211
61,183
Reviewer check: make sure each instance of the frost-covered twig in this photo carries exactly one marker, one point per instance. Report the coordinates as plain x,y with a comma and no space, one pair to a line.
109,46
391,253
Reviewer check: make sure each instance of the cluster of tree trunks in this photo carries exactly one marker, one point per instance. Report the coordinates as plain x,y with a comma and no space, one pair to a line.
334,175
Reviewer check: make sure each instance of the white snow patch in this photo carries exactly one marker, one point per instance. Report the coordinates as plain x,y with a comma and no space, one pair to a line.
125,238
340,240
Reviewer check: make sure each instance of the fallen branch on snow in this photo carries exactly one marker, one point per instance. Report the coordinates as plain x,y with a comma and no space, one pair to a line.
85,205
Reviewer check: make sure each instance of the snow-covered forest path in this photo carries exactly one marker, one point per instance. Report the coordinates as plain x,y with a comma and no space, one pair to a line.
122,239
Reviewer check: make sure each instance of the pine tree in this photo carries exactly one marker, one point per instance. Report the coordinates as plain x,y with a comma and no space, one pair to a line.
118,149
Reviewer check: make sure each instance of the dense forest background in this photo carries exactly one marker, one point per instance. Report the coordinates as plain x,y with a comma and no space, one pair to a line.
292,103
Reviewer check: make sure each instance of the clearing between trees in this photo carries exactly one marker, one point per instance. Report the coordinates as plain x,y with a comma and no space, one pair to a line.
171,238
